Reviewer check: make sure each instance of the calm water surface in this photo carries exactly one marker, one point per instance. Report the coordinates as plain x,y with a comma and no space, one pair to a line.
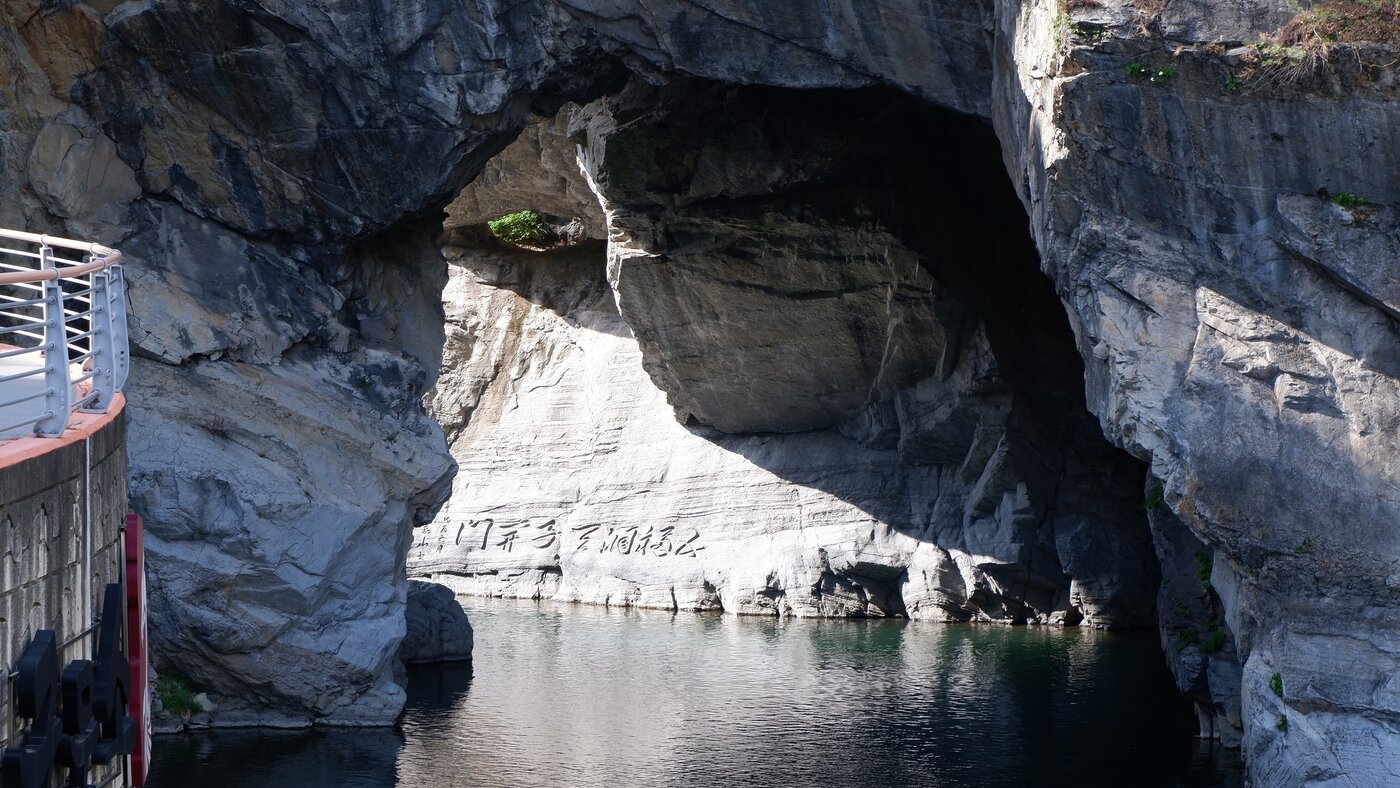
570,695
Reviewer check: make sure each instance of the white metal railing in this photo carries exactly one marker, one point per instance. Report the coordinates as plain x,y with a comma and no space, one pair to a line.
63,341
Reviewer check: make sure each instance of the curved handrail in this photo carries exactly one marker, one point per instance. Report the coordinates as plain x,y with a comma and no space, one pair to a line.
67,322
43,239
53,274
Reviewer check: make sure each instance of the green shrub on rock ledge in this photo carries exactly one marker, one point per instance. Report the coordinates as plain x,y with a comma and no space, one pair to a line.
1154,498
523,228
176,697
1203,568
1350,202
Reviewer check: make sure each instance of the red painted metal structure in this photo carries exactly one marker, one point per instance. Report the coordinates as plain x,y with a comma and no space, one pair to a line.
140,701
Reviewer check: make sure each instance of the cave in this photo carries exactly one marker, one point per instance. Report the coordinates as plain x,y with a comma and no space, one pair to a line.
963,383
863,258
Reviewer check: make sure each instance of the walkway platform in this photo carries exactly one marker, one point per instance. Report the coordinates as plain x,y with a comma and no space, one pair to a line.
32,409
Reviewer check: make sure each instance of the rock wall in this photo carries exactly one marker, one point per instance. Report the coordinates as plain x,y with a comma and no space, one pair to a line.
1237,330
577,483
1250,359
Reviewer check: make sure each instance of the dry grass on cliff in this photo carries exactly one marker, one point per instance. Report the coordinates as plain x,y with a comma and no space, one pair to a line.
1343,22
1309,44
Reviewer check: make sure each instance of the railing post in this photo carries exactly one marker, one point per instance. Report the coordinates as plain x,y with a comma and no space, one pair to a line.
58,400
121,352
102,359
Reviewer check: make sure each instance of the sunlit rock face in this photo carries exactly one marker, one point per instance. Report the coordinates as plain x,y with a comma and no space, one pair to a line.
1237,329
257,563
789,414
576,482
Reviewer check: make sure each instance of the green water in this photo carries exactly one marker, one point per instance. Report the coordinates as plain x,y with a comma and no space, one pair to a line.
572,695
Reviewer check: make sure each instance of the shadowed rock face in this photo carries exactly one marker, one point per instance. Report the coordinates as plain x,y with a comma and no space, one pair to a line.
438,630
250,157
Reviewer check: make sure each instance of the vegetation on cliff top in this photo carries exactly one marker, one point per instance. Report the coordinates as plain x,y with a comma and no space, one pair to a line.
1343,22
1309,46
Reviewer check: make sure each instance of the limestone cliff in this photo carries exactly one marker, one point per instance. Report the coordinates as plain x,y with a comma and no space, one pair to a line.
1218,221
1250,366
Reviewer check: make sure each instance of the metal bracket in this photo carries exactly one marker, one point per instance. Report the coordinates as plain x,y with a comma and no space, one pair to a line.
102,360
121,352
58,399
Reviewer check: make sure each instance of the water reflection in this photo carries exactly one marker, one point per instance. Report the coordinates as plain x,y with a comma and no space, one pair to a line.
238,759
584,696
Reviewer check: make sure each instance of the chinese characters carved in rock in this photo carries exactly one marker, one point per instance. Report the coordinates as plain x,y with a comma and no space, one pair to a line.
487,534
631,541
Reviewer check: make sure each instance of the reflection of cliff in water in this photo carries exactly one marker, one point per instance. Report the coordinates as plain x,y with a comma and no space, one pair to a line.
589,696
356,758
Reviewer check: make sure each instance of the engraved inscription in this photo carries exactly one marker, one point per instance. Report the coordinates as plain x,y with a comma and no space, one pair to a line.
488,534
659,542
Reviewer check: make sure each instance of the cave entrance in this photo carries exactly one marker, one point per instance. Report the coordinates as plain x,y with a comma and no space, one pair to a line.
814,370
